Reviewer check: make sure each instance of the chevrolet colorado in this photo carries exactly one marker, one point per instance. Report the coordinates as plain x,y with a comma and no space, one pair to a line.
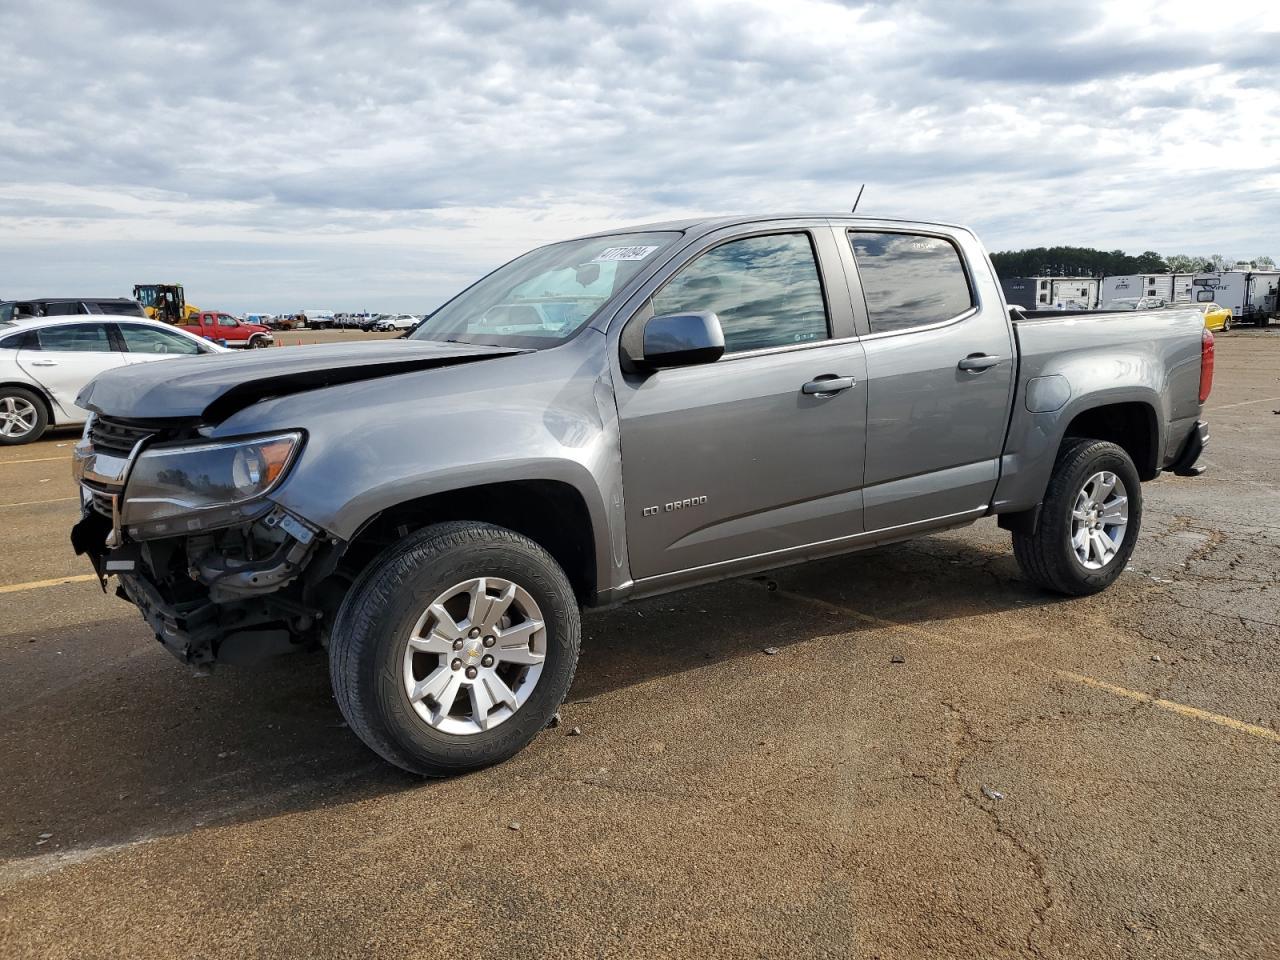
609,418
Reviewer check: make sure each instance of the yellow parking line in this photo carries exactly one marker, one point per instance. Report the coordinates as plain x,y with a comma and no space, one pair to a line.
1179,708
5,463
1193,713
38,584
32,503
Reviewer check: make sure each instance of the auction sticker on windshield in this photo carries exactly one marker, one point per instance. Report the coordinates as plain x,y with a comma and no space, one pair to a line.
623,253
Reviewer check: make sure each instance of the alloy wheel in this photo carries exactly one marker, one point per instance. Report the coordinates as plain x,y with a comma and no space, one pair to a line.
1099,519
474,656
18,417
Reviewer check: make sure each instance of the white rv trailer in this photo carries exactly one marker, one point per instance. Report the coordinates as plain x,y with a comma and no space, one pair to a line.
1051,293
1169,287
1251,296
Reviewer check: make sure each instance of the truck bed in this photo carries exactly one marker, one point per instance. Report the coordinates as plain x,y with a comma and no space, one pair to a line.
1147,360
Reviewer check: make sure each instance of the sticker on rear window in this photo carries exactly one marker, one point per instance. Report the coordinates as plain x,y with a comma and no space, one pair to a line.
623,253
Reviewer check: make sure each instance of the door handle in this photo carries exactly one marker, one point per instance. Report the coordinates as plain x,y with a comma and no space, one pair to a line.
827,385
977,362
44,363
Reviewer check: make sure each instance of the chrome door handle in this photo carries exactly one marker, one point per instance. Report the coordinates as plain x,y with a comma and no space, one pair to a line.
977,362
827,385
44,363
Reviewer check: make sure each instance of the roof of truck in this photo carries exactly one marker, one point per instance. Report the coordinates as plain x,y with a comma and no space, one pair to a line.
699,225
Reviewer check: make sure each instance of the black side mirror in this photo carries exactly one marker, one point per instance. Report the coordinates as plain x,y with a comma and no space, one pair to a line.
681,340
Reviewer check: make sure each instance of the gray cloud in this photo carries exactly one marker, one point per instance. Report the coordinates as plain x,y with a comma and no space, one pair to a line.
381,155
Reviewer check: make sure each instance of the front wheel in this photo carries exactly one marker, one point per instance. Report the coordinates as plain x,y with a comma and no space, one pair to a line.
1088,523
455,647
1226,325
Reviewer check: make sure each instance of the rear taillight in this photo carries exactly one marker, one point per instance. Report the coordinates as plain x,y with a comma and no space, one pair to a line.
1206,365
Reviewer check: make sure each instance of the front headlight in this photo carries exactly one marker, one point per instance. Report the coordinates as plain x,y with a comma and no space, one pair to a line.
173,481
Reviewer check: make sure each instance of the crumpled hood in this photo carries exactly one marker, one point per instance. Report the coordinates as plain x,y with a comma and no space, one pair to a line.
213,386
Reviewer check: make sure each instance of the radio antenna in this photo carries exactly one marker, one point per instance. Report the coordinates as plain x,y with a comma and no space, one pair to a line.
859,199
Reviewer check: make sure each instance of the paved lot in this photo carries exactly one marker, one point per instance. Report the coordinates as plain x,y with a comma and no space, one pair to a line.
1039,777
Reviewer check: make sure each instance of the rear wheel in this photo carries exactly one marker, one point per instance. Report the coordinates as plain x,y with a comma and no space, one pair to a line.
23,416
455,648
1088,523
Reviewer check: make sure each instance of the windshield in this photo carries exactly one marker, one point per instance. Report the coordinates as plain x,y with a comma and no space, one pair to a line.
543,298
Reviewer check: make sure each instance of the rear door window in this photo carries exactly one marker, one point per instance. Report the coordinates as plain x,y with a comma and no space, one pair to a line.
119,309
765,290
910,280
63,308
75,338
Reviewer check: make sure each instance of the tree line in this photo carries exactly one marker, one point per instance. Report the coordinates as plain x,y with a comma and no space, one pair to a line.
1087,262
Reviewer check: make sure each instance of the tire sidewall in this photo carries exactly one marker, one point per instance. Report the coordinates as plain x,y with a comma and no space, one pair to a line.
1108,457
413,583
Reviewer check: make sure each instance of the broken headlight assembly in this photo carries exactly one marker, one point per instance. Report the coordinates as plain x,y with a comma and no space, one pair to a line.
182,486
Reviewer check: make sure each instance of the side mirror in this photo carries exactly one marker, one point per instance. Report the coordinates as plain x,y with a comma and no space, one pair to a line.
681,340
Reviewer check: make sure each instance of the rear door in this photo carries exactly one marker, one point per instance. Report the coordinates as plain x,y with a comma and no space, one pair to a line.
732,460
66,357
940,369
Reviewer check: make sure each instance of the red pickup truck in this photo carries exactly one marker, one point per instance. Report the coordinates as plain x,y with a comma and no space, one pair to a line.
221,327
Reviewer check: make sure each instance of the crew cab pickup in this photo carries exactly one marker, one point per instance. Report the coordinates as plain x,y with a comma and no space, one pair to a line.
609,418
229,331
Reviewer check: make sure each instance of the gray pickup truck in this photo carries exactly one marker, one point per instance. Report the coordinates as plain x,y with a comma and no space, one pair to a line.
609,418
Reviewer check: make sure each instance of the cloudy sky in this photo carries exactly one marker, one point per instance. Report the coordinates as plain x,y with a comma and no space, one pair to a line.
354,155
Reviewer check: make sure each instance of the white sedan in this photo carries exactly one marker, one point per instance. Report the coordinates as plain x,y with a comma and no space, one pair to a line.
45,363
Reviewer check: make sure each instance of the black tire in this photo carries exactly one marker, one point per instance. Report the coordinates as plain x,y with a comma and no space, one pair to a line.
1046,556
257,342
21,397
372,628
1226,325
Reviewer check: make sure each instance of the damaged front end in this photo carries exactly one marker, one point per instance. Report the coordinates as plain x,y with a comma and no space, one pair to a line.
220,572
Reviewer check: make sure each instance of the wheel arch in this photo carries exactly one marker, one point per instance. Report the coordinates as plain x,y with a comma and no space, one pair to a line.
1130,421
551,512
1132,425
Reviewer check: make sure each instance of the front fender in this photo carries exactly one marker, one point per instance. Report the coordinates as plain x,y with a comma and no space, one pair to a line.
372,445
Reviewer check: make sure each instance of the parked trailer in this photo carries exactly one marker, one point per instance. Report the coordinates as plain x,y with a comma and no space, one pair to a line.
1169,287
1049,293
1251,296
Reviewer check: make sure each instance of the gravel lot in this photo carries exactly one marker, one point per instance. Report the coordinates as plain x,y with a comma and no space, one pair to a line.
1036,777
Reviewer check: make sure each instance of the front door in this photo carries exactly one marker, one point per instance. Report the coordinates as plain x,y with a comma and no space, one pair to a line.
734,459
66,358
940,366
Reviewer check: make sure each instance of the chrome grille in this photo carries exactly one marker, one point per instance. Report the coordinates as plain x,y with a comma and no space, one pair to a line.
118,436
102,503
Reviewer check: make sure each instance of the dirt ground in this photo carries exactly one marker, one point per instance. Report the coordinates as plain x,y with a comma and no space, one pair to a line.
1036,777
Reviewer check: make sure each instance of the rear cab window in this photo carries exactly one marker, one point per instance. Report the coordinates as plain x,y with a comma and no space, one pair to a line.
910,280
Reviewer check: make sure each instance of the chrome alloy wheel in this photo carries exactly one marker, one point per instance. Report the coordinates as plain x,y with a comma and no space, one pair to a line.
474,656
1099,520
18,417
